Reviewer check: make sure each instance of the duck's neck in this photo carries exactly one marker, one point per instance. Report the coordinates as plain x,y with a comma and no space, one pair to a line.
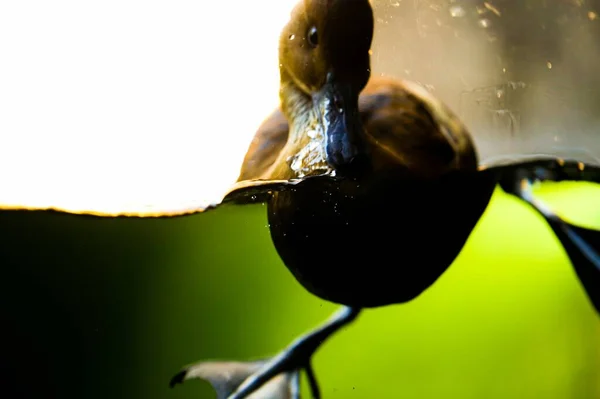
304,152
297,108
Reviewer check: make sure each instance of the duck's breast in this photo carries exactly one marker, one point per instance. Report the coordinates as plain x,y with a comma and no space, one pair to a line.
377,242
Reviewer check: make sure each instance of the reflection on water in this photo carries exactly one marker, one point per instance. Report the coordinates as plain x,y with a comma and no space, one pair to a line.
521,74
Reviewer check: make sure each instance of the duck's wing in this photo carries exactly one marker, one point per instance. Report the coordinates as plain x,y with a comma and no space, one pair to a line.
269,140
516,173
406,125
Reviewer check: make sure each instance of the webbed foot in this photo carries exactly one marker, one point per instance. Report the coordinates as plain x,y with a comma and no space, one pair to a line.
277,377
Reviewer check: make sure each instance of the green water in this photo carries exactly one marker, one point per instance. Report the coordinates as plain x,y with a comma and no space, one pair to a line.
103,308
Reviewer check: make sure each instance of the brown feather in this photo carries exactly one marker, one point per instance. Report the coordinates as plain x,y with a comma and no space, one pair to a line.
404,126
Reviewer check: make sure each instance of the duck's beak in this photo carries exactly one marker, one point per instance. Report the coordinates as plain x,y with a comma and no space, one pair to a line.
337,104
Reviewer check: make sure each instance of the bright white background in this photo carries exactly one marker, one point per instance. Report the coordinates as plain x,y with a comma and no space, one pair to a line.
119,105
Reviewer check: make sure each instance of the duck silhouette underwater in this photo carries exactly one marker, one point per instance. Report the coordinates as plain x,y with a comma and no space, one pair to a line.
344,162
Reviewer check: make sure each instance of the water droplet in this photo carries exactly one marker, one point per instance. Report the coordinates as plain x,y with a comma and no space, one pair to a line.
457,11
292,37
592,15
549,65
485,23
253,197
491,7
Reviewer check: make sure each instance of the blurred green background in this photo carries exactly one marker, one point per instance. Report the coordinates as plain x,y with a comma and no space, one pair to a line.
97,308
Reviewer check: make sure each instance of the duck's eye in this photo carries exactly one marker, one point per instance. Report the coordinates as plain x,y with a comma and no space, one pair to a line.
313,36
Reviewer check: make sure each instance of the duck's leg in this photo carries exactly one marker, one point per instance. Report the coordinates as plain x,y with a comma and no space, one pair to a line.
582,245
238,380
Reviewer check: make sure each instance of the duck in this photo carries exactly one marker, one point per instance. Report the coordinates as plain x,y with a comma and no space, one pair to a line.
372,187
378,153
387,187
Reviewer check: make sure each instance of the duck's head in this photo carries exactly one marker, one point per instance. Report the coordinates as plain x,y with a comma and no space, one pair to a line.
325,64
